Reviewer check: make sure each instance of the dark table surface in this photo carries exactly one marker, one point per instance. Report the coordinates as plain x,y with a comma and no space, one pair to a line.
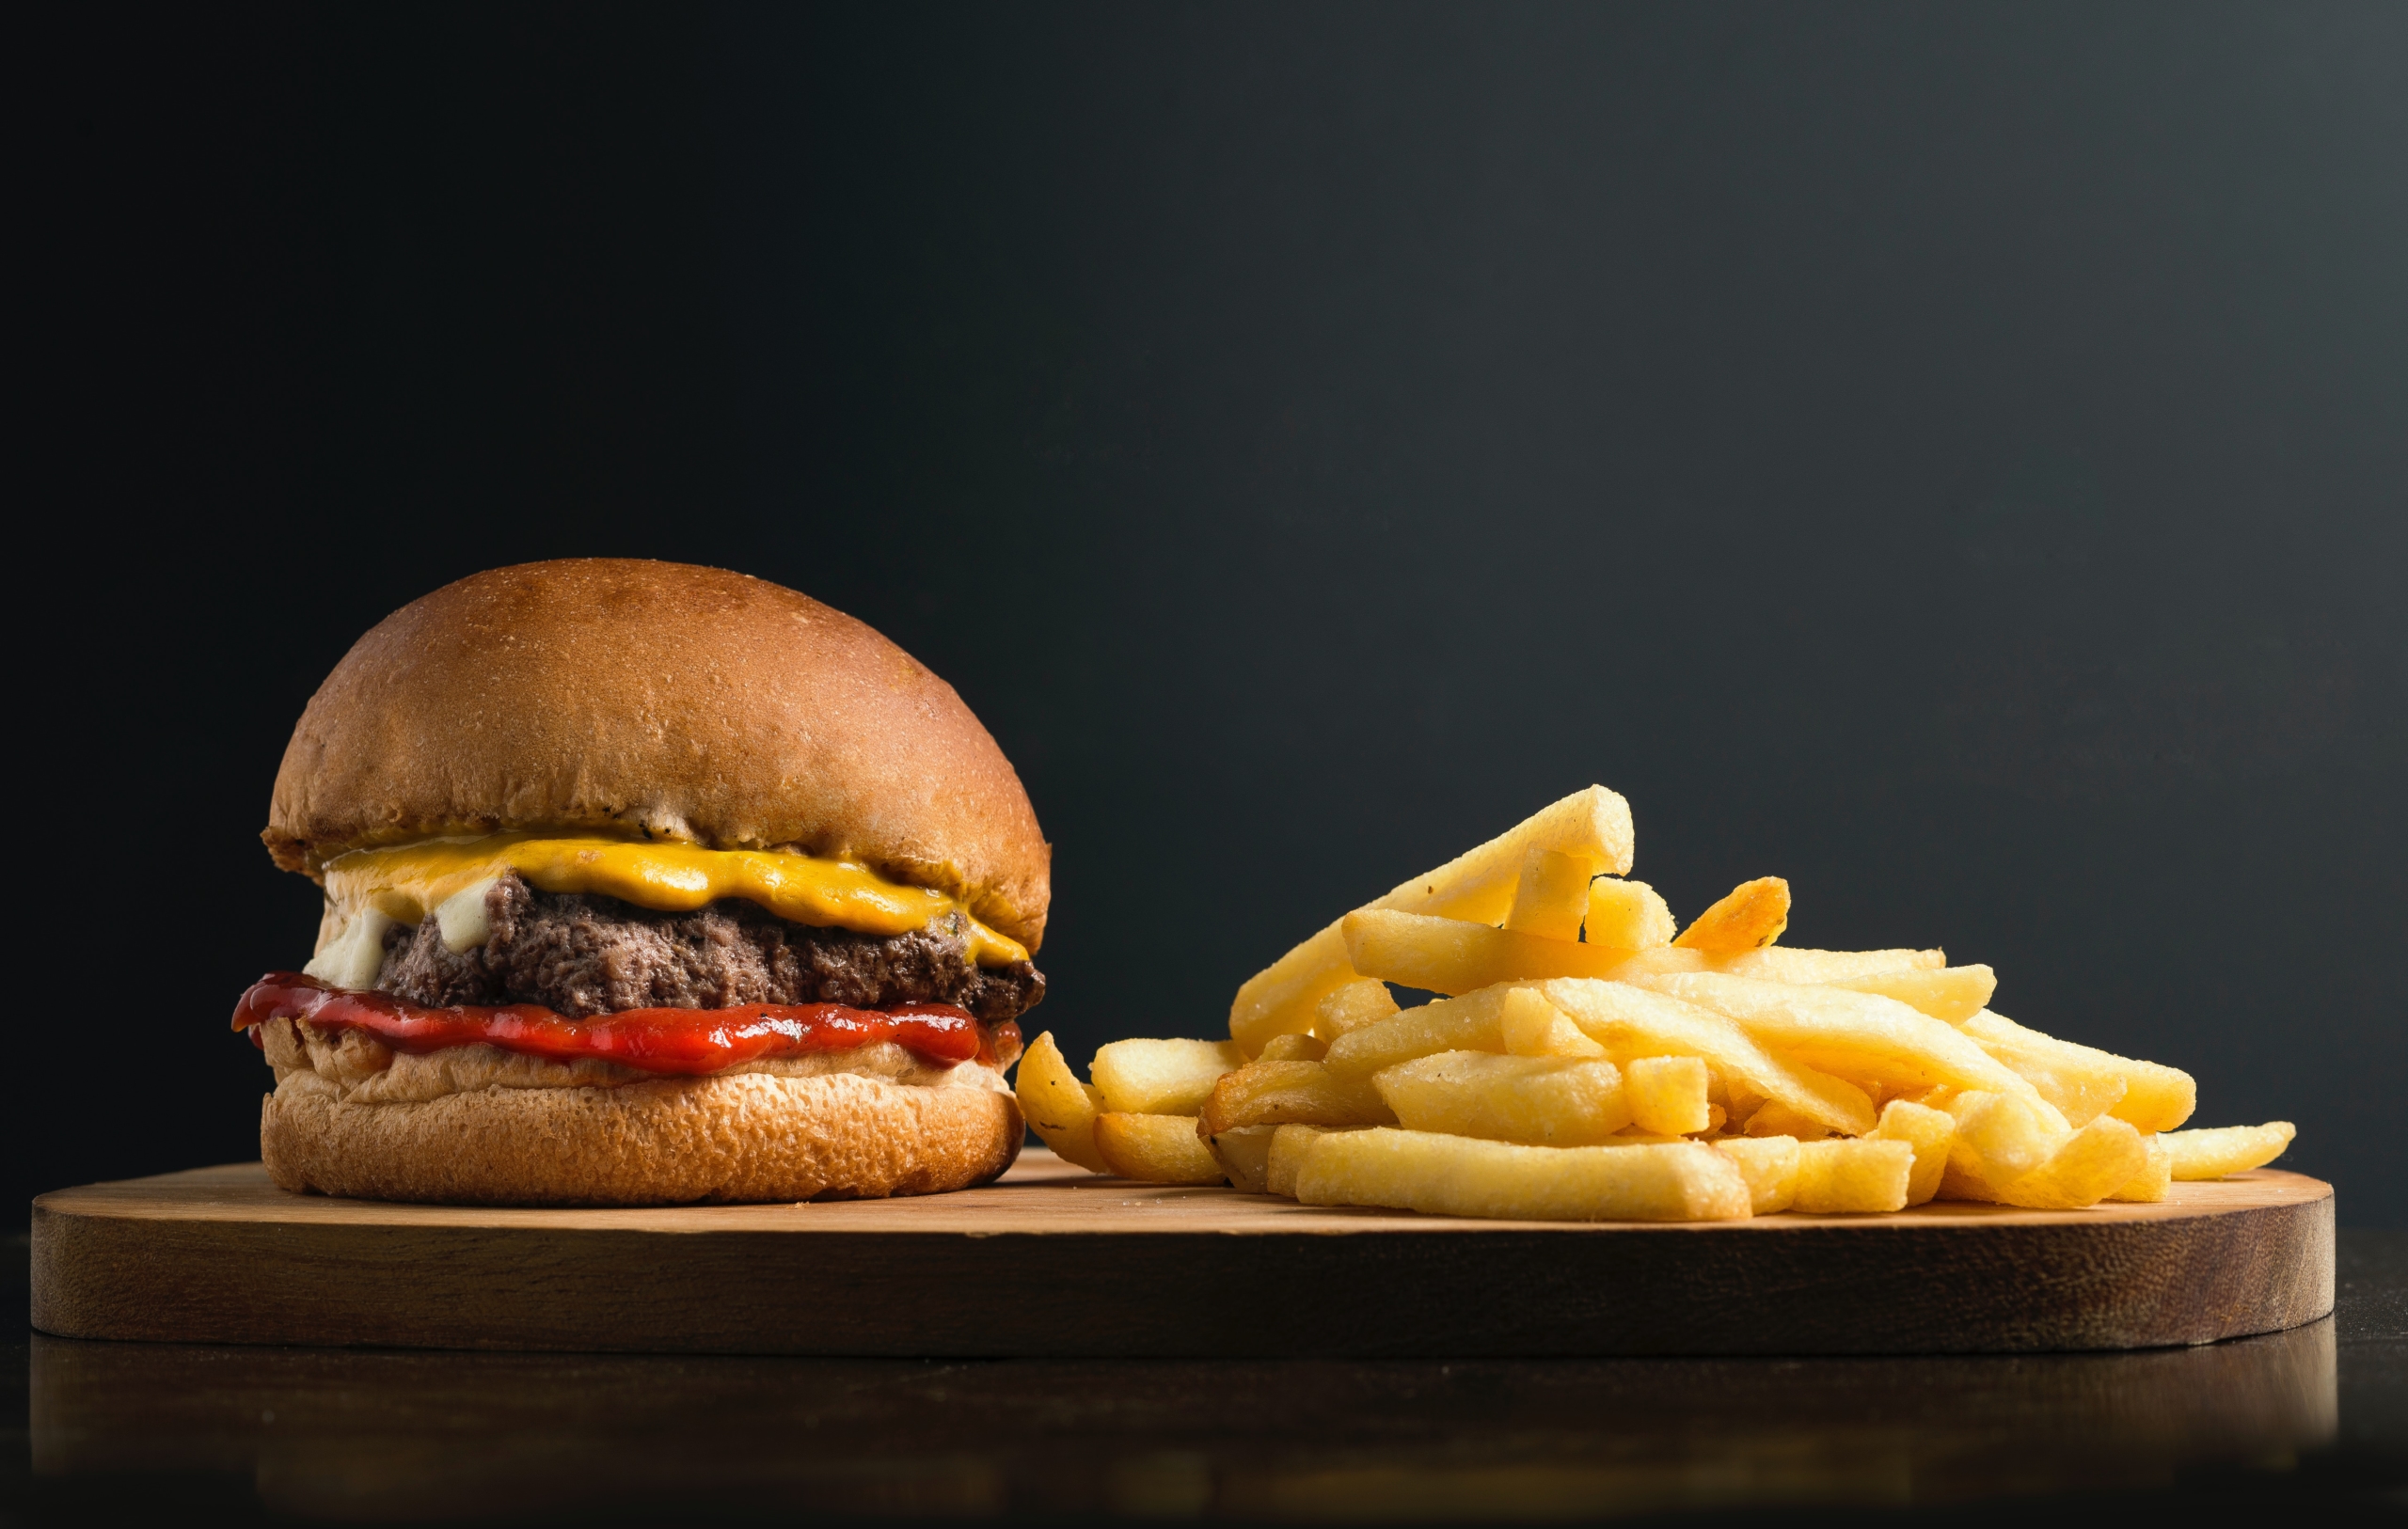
2314,1419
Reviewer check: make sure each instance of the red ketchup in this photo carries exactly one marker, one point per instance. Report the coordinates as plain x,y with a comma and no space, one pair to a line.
685,1041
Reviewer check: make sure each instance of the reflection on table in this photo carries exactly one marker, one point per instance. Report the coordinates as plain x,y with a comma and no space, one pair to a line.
362,1434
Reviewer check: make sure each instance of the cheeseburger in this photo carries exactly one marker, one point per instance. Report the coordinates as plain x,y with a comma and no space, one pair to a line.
645,884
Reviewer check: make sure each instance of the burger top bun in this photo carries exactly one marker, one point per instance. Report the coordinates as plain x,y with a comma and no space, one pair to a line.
687,703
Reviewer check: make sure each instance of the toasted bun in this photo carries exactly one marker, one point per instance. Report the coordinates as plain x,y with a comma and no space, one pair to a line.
693,704
747,1137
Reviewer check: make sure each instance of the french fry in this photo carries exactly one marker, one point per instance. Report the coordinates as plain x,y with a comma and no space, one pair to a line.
2080,1093
1057,1106
1770,1165
1773,1119
2225,1149
1474,1022
1545,1101
1660,961
1862,1176
1750,914
1286,995
1788,963
1161,1078
1292,1047
2085,1081
1351,1005
2156,1178
1530,1025
1447,955
1158,1149
1667,1095
1458,1176
1999,1138
1740,1101
1929,1132
1626,915
1951,994
1630,1021
2092,1163
1245,1156
1290,1092
1552,897
1289,1144
1477,886
1868,1040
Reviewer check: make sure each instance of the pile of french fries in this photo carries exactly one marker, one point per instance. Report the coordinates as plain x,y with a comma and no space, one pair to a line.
1589,1062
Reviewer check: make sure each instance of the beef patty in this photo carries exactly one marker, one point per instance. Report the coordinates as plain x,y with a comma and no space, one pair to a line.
583,955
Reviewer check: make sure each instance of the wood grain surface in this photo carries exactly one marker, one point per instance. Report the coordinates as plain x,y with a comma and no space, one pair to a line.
1051,1262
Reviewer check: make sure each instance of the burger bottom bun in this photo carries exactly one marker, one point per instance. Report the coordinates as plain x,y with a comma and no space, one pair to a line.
744,1137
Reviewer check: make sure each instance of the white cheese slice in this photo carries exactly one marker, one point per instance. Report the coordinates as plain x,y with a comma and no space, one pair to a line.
462,917
355,954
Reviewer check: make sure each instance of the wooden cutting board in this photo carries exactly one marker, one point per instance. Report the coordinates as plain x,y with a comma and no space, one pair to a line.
1053,1262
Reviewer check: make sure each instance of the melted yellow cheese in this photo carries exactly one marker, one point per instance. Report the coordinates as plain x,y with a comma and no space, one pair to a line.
411,881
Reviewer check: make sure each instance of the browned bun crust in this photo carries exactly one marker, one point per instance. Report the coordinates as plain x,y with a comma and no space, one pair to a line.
690,703
745,1137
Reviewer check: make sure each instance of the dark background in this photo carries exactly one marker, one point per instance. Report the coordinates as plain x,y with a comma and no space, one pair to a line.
1956,458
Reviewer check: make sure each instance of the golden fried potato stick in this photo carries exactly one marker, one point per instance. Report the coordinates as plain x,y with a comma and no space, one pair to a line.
1864,1176
2155,1181
1545,1101
1661,961
1158,1149
1161,1077
1999,1138
1773,1119
1793,963
1474,1022
1530,1025
1290,1092
2094,1163
1351,1005
2005,1152
1770,1165
1929,1132
1667,1095
2226,1149
1460,1175
1291,1047
1552,897
1753,913
1478,886
2084,1081
2082,1091
1869,1040
1057,1106
1951,994
1447,955
1630,1021
1289,1144
1627,914
1246,1156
